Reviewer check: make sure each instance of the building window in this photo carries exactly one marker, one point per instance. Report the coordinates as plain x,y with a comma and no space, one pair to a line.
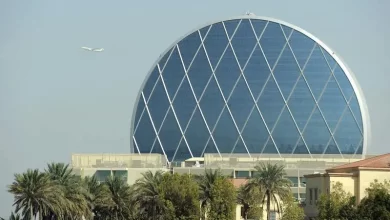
315,194
294,181
242,174
302,181
311,196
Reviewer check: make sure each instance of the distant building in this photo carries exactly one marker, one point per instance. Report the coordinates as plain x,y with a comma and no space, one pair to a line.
356,177
253,86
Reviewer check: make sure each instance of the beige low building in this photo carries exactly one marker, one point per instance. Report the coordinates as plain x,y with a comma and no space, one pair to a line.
356,177
238,167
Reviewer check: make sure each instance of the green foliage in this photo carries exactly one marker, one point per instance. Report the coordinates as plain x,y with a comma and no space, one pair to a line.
376,205
291,210
272,184
223,200
330,205
182,193
250,198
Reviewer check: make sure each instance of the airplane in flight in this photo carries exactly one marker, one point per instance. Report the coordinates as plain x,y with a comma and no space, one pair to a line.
93,49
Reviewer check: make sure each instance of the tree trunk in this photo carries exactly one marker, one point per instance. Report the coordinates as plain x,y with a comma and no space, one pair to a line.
268,205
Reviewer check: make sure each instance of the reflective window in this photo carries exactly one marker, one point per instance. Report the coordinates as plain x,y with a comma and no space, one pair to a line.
332,103
188,48
286,72
317,72
302,47
272,41
173,73
243,42
258,26
256,72
227,72
184,103
241,103
215,43
225,133
279,89
231,27
316,133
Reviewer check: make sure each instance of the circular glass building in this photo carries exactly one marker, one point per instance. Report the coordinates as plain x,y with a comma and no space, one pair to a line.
250,85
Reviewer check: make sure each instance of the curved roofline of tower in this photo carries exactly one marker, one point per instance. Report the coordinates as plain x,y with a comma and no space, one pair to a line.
348,72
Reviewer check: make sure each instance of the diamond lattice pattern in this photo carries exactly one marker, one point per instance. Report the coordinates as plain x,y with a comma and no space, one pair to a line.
247,86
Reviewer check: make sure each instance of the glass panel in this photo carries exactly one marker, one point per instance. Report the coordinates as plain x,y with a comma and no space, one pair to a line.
170,135
301,103
227,72
256,72
360,148
239,148
215,43
197,134
294,180
188,47
210,148
157,148
287,30
343,81
241,103
182,152
285,133
149,85
272,42
243,42
332,148
317,72
102,175
286,72
255,133
158,104
203,31
302,195
242,174
231,26
225,133
164,58
173,73
270,103
301,46
347,134
355,107
140,111
199,73
270,148
332,103
145,134
316,133
212,103
301,148
184,103
329,58
258,26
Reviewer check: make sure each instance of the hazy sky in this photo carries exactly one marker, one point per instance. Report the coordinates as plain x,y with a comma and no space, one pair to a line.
56,99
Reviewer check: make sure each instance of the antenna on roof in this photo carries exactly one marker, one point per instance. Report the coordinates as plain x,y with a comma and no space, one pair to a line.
249,13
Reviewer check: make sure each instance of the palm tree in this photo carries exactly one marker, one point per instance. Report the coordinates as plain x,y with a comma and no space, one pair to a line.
248,197
147,196
206,182
13,216
35,193
77,197
270,180
100,199
120,194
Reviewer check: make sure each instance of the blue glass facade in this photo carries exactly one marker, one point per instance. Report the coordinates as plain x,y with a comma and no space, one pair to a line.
248,86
